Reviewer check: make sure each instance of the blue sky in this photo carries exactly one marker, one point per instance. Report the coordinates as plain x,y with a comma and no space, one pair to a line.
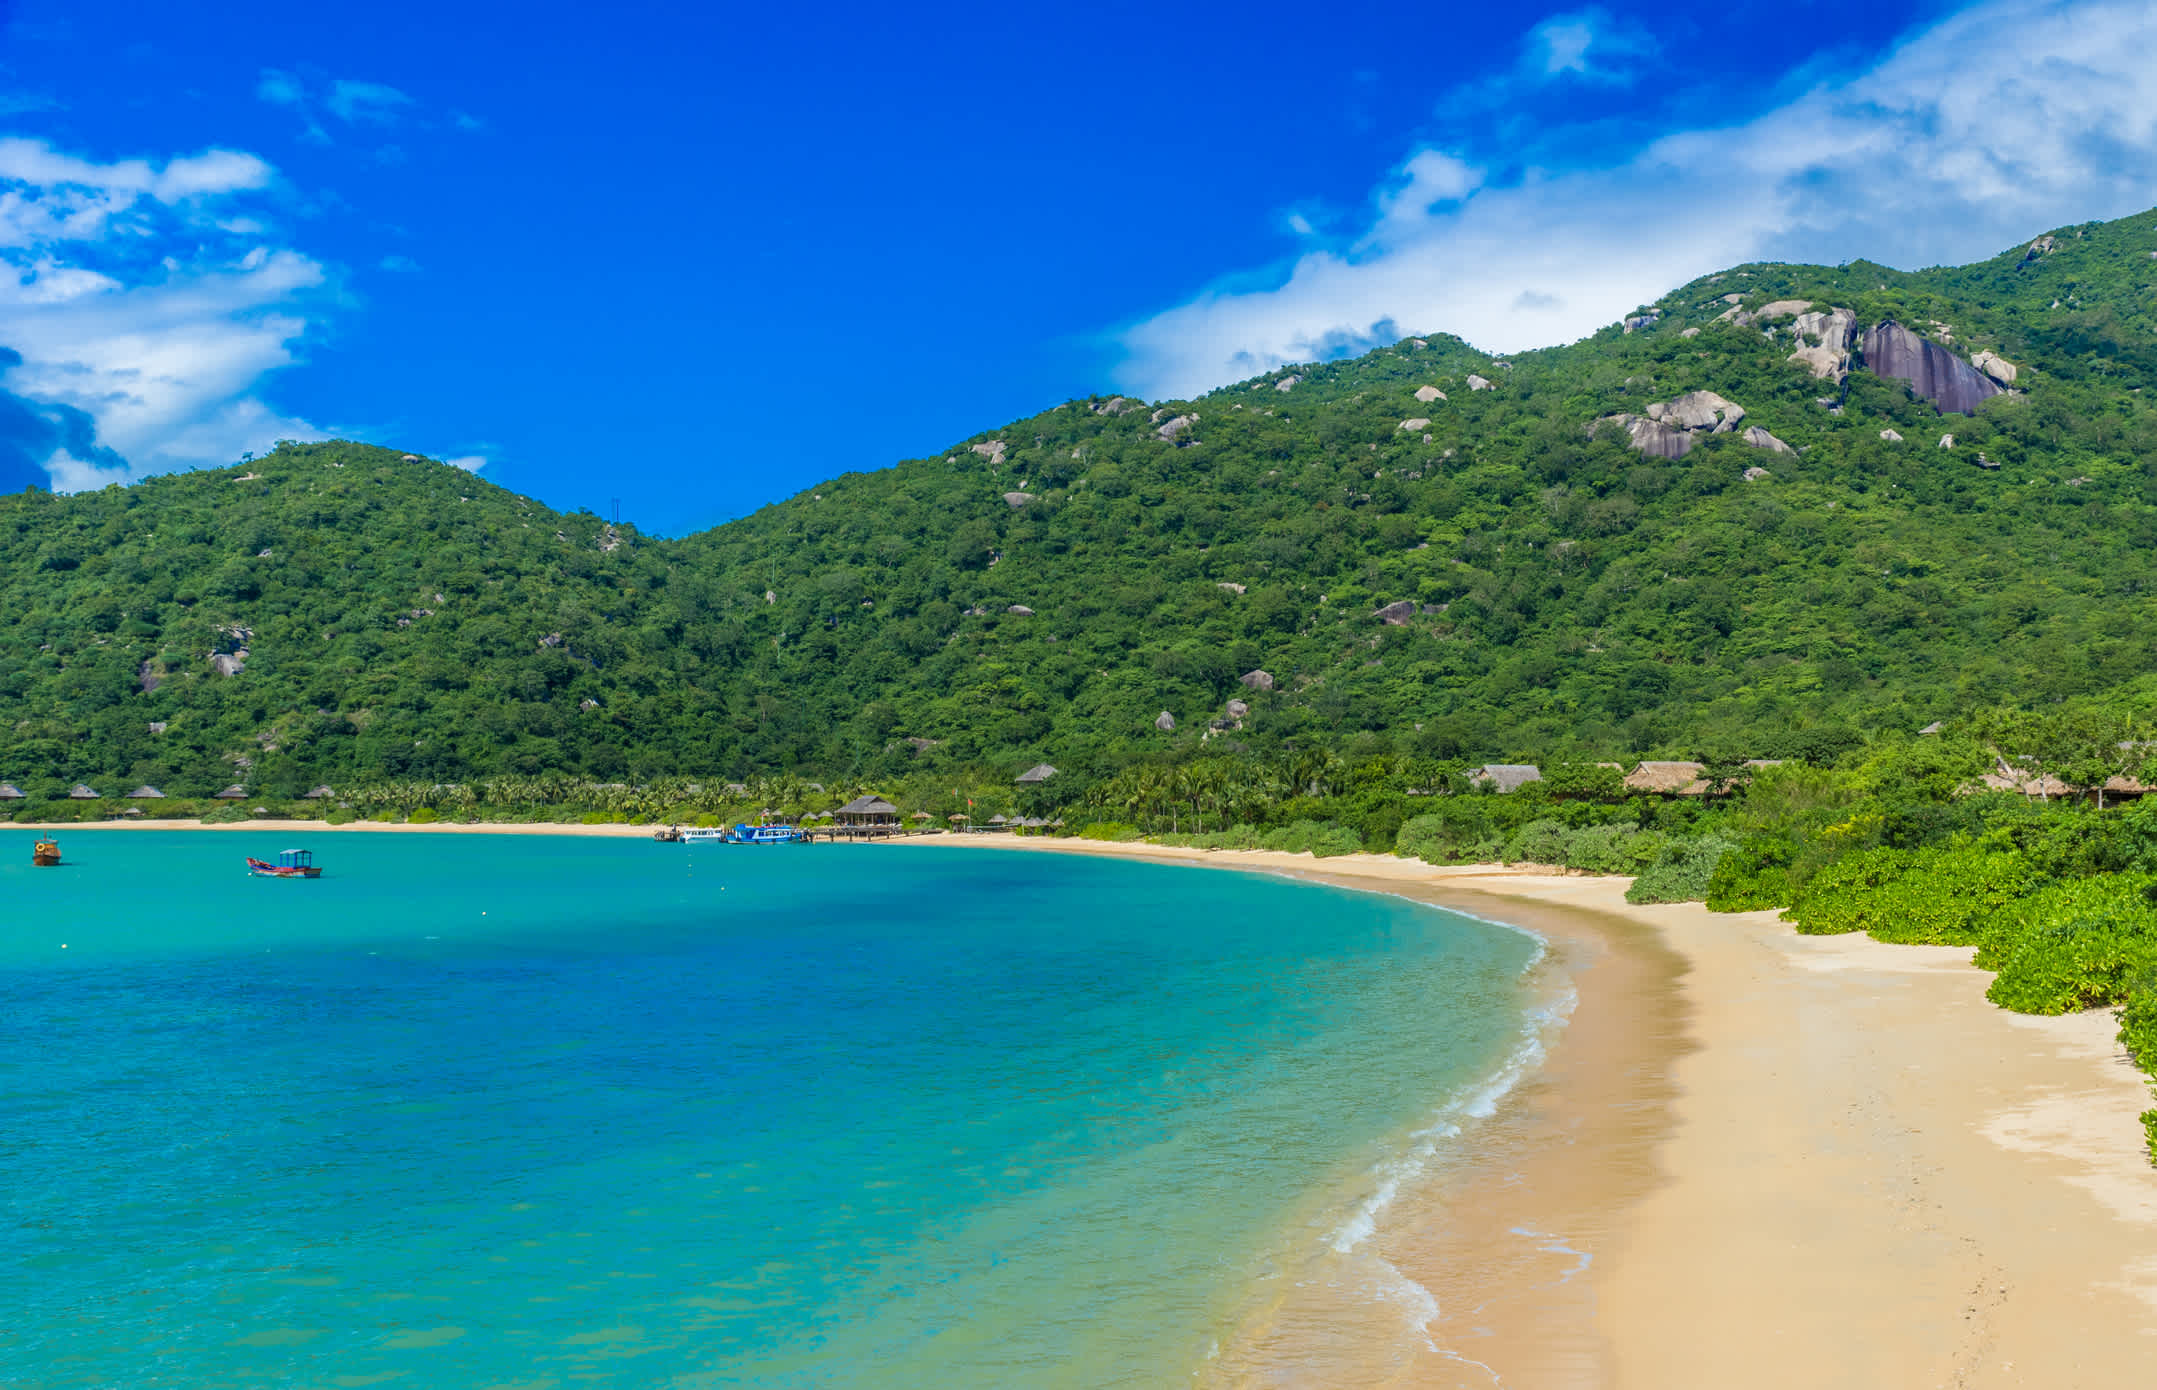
699,259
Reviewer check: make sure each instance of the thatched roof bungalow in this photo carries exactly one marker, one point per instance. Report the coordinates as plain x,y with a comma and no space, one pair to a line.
322,793
10,792
868,811
81,792
1668,779
235,792
1506,777
1035,775
2047,785
146,792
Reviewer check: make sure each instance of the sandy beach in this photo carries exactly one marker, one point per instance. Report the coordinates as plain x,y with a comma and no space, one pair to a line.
1770,1160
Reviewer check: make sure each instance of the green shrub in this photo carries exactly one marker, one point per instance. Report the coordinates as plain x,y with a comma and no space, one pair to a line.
1844,896
1615,849
1945,893
1754,876
1109,830
2138,1022
2078,964
2055,904
1336,840
343,815
1539,842
1682,873
224,815
425,815
1457,831
1322,838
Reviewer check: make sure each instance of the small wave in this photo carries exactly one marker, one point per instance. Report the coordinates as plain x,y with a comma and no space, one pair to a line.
1539,1023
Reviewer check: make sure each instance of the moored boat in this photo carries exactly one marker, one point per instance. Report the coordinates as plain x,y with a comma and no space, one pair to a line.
747,835
769,835
291,863
45,853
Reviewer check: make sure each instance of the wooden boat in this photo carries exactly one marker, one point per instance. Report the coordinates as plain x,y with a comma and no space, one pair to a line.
45,853
291,863
668,834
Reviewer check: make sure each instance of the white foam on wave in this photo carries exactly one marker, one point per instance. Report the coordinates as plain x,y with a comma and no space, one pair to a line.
1539,1025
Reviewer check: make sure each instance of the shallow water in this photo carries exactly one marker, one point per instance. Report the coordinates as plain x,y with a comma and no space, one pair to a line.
499,1110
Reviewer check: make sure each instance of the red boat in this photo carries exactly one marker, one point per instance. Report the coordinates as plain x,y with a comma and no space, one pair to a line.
291,863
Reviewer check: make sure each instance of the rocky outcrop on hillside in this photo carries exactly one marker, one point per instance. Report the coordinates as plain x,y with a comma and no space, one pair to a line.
1761,439
1478,383
1179,425
1932,371
1667,430
1396,614
1427,394
1997,367
1824,342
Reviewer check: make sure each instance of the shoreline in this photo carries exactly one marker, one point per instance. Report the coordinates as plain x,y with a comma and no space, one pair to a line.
1812,1161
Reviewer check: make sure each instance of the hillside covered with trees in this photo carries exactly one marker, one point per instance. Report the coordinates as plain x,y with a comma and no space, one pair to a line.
1429,552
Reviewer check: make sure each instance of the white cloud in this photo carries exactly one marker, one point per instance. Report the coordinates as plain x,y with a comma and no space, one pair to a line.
470,463
136,296
354,103
1993,125
372,102
1587,44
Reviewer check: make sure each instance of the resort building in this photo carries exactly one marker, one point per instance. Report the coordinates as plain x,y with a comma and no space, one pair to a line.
868,813
1506,777
1668,779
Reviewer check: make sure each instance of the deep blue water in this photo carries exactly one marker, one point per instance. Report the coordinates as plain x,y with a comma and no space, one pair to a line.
499,1110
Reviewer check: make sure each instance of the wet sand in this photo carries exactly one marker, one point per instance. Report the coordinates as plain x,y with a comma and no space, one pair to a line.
1752,1159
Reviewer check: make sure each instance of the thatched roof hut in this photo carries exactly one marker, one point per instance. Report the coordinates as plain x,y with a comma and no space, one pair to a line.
81,792
146,792
2047,785
1668,779
868,810
322,793
10,792
235,792
1507,777
1035,775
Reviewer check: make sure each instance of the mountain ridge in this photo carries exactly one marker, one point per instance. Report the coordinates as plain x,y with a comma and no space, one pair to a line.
1046,590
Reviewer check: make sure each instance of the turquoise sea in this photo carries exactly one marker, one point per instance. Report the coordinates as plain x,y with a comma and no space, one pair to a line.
546,1111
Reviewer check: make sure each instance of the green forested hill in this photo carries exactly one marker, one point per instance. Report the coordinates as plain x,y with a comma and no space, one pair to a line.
1570,595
